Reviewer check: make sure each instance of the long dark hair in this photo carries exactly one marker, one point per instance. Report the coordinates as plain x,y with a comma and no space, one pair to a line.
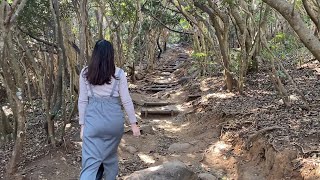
101,68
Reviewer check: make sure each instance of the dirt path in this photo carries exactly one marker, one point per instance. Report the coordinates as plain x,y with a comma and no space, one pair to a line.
164,137
186,132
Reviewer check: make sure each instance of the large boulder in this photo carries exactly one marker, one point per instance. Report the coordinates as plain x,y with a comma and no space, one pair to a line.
206,176
174,170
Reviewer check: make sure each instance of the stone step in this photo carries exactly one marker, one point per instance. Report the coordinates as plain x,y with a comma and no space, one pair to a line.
156,103
154,89
158,87
193,97
166,112
183,56
171,70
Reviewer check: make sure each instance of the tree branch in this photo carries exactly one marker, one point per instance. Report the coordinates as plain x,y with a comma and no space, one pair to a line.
16,8
38,39
170,29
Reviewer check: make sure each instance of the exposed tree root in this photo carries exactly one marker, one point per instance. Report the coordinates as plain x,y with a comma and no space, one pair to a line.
255,136
304,152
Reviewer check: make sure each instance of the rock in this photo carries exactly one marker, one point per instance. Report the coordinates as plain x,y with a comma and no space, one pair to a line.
147,129
280,102
130,149
184,80
139,76
293,98
174,170
179,147
206,176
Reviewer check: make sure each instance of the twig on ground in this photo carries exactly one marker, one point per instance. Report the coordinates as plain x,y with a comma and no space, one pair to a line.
305,153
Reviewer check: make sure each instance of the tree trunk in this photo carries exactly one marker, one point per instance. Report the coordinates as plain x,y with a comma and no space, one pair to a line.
15,158
12,81
222,33
83,32
99,18
297,23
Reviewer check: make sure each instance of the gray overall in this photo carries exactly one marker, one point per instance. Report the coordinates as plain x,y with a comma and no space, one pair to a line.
104,125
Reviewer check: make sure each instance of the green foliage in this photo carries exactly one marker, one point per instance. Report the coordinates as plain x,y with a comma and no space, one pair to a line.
36,16
199,55
155,9
9,1
202,1
284,44
174,38
281,74
229,2
67,10
184,24
124,10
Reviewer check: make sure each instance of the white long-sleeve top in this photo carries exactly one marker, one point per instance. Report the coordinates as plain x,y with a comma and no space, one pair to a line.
105,91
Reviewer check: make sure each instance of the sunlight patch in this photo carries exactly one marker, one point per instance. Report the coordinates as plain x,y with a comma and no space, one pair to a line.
186,124
217,95
146,158
220,147
78,143
7,110
68,126
191,155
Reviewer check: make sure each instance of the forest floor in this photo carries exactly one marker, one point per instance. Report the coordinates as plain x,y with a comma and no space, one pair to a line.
231,136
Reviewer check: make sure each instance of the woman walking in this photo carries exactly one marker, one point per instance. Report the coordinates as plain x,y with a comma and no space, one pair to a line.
103,88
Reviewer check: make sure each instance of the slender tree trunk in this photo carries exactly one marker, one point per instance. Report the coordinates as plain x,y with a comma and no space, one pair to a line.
99,18
16,153
62,58
12,81
83,32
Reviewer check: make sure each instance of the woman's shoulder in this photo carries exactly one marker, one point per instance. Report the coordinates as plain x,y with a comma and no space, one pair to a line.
84,70
119,70
83,73
120,73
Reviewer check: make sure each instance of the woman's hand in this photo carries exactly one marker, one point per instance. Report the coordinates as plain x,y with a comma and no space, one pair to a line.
81,132
135,129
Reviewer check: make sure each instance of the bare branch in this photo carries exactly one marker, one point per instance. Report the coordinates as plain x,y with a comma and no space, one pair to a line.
164,25
38,39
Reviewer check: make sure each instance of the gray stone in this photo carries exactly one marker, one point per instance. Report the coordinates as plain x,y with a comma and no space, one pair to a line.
206,176
179,147
147,129
131,149
139,76
184,80
174,170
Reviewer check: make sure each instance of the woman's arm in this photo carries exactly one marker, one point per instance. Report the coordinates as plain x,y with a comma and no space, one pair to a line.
126,98
127,103
83,98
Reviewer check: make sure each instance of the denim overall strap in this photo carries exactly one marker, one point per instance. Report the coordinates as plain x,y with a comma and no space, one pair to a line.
115,83
91,91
